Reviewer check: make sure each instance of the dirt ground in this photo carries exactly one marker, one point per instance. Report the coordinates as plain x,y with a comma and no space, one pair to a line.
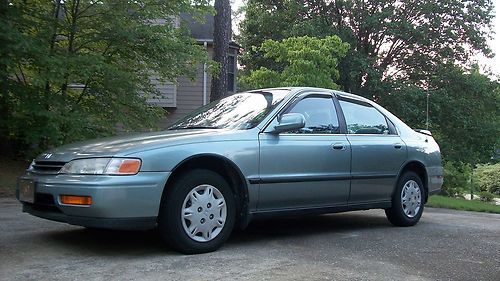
10,170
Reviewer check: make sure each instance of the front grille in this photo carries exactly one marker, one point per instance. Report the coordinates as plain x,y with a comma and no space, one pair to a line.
47,167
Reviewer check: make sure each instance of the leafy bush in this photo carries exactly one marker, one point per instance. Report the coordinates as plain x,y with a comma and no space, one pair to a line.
487,178
486,196
456,178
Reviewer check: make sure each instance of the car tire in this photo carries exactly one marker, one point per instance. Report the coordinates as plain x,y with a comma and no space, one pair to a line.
407,201
197,213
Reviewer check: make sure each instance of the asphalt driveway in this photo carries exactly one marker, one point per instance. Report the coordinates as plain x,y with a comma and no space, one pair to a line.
445,245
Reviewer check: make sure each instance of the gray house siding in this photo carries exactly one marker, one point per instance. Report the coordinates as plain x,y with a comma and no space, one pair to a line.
189,93
186,95
167,93
189,97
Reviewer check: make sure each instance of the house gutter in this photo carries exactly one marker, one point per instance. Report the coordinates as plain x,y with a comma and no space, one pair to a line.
205,42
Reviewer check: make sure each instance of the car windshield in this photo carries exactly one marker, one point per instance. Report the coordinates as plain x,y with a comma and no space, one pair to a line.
240,111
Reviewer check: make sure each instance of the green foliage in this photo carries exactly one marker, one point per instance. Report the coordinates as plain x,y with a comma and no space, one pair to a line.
109,49
407,39
305,61
462,204
463,112
486,196
457,177
487,178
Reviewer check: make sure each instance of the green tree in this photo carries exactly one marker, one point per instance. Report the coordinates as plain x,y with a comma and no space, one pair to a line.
405,39
463,108
305,61
78,68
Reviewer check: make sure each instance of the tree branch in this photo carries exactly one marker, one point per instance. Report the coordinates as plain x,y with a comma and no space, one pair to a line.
22,73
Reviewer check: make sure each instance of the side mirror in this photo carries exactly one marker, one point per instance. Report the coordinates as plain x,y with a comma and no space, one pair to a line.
289,122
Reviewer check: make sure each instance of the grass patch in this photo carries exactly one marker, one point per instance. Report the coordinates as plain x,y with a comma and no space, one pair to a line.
438,201
10,170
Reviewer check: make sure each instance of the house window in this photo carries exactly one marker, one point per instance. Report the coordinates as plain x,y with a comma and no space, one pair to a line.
231,74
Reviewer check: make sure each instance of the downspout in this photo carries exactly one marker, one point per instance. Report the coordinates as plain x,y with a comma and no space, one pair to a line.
205,77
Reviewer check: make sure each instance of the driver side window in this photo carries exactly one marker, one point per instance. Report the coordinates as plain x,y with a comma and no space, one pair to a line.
319,113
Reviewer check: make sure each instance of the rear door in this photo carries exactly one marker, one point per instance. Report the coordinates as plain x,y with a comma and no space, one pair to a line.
309,167
377,152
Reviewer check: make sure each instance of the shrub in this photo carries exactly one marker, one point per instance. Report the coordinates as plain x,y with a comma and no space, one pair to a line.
486,196
487,178
456,178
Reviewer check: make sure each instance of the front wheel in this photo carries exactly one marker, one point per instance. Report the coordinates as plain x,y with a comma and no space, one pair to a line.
407,201
197,212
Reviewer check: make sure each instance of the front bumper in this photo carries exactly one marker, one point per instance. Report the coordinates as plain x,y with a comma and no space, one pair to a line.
118,202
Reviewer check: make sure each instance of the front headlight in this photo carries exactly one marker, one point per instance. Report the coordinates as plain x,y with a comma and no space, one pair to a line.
100,166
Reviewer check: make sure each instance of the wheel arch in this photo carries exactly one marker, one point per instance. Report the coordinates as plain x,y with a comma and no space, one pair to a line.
418,168
225,168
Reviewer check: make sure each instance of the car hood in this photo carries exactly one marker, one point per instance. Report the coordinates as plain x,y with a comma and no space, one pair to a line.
126,144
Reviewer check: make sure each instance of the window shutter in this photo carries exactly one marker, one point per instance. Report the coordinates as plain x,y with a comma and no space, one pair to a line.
167,93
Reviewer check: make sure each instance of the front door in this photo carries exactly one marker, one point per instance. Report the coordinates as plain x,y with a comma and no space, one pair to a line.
309,167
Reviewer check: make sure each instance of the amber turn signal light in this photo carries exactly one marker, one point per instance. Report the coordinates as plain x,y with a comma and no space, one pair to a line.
75,199
129,166
120,166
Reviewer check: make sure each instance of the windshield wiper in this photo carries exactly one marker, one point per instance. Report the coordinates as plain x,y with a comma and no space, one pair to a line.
192,127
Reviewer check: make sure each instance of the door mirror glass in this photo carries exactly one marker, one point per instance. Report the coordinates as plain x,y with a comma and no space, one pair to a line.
289,122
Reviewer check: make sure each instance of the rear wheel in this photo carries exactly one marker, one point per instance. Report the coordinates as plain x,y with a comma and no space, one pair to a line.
198,212
407,201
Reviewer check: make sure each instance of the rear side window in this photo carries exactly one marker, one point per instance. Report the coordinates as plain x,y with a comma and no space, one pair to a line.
320,115
363,119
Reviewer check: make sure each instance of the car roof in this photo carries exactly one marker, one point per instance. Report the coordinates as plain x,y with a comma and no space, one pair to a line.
295,90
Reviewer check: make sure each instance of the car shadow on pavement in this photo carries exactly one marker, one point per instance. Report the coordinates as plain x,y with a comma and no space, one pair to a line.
303,226
144,243
109,242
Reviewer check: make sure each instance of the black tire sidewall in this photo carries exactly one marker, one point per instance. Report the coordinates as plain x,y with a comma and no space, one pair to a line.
396,214
170,223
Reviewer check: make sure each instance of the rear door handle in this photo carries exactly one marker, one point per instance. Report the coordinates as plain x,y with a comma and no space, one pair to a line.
398,146
338,146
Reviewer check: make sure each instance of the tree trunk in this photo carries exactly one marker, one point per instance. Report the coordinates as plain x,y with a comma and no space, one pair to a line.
222,34
4,42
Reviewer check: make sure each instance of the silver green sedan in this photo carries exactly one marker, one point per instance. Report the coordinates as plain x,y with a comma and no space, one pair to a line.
269,152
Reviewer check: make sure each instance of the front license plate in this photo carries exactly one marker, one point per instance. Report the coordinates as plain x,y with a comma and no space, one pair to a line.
27,191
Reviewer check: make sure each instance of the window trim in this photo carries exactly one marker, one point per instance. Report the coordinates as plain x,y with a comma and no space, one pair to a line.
392,131
392,128
152,100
